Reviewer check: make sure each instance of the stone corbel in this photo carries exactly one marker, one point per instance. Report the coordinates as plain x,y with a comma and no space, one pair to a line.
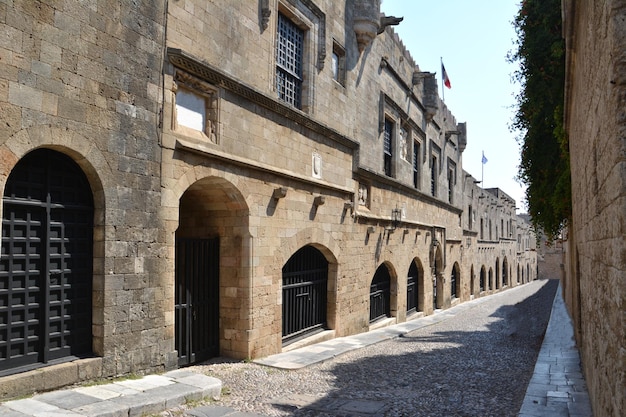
430,95
266,12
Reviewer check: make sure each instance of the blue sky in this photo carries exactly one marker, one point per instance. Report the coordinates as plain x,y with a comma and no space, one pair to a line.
473,38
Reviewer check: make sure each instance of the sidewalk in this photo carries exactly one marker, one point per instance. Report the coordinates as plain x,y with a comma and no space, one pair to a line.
557,387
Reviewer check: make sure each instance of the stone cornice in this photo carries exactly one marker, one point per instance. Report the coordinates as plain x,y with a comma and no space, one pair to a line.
409,191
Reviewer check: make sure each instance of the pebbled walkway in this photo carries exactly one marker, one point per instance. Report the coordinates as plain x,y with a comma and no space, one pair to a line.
557,387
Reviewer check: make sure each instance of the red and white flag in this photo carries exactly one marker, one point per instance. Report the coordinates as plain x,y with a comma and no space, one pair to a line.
446,79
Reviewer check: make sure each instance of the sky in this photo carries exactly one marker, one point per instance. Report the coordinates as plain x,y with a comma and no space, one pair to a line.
473,38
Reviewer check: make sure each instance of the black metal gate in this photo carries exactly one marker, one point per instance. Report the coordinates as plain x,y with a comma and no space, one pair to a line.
45,262
197,299
380,294
305,286
453,283
412,292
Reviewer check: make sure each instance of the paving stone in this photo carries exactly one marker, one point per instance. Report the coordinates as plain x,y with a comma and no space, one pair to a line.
30,406
103,409
66,399
7,412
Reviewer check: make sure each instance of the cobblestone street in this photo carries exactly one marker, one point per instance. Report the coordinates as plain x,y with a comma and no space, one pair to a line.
474,364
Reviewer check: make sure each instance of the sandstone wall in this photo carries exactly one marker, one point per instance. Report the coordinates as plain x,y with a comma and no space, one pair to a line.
595,284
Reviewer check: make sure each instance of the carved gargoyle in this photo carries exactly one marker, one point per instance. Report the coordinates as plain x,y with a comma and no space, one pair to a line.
388,21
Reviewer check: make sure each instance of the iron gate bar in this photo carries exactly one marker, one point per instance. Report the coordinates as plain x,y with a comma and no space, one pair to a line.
197,299
380,294
305,282
45,262
412,290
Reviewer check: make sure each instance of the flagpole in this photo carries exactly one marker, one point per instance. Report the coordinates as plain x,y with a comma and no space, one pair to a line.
482,169
443,87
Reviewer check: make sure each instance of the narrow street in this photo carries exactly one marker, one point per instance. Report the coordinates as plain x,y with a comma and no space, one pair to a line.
477,363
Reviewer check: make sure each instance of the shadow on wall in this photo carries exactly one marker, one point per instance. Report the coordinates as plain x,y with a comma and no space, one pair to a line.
421,376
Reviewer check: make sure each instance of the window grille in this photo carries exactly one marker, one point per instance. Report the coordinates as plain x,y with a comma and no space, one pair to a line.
416,152
289,53
388,149
433,176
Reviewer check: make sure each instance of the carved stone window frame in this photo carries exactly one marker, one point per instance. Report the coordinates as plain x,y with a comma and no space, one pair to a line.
211,95
308,17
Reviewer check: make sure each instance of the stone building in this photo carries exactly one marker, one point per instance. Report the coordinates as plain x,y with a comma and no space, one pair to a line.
594,285
188,179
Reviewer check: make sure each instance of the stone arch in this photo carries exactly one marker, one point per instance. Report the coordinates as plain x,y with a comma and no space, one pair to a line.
304,294
438,278
416,266
84,152
505,272
483,279
455,281
383,302
497,269
205,205
323,242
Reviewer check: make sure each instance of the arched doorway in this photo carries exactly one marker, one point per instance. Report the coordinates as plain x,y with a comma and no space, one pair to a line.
380,294
497,269
415,287
483,277
305,282
437,278
490,279
212,226
472,280
505,272
455,282
46,263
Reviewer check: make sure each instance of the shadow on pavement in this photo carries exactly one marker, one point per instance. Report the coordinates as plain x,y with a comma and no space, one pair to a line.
448,373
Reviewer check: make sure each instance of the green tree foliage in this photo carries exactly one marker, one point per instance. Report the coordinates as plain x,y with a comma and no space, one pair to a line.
544,166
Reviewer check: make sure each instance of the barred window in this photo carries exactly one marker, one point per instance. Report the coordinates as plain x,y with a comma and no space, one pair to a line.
416,167
289,54
433,175
388,148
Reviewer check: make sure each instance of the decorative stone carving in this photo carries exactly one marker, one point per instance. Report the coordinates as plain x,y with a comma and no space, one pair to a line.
210,94
388,21
363,195
404,145
316,165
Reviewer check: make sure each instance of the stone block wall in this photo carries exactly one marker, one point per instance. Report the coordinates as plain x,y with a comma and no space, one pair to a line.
84,79
595,270
102,82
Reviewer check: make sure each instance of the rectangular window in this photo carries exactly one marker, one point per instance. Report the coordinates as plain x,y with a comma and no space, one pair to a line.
469,218
289,56
339,64
388,147
433,175
416,163
450,184
451,180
